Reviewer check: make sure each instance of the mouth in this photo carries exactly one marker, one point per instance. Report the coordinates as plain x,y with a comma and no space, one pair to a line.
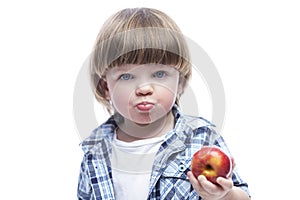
145,106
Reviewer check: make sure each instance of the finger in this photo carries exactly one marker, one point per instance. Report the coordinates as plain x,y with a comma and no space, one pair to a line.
193,181
226,184
233,163
204,182
232,168
208,186
191,176
202,179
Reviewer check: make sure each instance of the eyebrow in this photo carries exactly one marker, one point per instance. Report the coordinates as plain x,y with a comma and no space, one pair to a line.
128,68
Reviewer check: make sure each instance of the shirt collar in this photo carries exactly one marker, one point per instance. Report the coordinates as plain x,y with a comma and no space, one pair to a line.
187,122
184,126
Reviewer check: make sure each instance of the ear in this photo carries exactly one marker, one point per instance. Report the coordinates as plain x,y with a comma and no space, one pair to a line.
180,86
180,89
104,88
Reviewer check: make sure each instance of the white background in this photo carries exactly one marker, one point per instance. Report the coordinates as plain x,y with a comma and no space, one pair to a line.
255,46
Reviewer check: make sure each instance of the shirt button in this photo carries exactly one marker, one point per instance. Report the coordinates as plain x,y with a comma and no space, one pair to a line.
181,167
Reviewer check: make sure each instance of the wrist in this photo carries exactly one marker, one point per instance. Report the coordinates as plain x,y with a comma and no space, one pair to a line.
230,195
236,194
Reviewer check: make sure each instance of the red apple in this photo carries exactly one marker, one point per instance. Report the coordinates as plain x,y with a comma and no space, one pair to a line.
212,162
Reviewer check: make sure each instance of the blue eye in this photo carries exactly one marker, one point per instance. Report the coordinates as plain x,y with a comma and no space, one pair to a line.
159,74
126,76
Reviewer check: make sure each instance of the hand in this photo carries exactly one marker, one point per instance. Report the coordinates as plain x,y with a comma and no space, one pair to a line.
208,190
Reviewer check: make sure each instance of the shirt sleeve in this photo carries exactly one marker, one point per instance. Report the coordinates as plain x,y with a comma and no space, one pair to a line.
84,190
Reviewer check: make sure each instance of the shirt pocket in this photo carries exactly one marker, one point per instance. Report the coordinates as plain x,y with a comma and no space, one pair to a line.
174,183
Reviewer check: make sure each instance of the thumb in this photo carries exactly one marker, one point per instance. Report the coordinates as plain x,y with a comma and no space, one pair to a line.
226,184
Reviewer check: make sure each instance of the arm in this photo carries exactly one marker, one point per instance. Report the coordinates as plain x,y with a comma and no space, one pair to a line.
209,191
84,187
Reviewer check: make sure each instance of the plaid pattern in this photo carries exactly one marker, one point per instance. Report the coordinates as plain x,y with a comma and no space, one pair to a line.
172,162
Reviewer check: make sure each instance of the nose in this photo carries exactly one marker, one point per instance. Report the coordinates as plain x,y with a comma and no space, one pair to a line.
144,90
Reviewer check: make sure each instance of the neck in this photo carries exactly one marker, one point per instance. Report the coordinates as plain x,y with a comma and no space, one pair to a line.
130,131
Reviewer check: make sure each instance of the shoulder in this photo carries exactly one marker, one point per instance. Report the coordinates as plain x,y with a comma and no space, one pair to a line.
196,131
200,129
202,133
195,122
191,125
103,132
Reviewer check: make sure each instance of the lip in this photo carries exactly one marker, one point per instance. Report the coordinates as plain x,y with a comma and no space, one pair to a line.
144,106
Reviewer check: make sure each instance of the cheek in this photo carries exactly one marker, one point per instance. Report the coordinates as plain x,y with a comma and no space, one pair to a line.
167,96
120,97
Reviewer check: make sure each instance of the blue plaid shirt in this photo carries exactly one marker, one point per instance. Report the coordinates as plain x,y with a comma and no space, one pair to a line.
169,173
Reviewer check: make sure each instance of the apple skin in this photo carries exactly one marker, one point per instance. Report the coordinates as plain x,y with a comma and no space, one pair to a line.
212,162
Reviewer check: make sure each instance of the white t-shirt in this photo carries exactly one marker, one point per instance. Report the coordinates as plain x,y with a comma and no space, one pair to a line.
131,167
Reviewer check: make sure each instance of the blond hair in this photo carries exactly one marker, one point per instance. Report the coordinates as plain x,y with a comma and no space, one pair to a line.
137,36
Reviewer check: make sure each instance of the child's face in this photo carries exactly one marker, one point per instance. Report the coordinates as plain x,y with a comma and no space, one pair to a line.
143,93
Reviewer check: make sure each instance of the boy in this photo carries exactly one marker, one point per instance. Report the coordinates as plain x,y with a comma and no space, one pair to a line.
139,68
